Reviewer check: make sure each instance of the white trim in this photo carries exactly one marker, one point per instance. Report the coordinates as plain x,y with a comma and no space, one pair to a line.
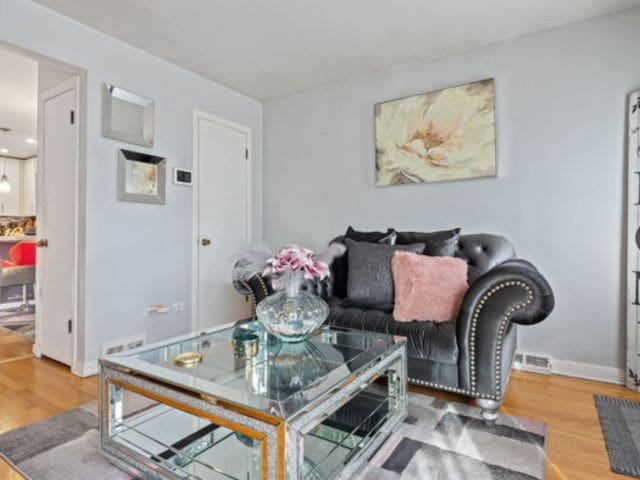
195,167
530,368
569,368
77,84
85,369
588,371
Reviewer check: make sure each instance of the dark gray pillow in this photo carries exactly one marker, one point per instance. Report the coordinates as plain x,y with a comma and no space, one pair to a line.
340,265
374,237
370,281
437,244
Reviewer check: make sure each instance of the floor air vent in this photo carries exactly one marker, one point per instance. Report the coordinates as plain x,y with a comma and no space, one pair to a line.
122,345
532,363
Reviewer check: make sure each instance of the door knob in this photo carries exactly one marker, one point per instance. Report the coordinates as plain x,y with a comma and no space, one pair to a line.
42,243
205,242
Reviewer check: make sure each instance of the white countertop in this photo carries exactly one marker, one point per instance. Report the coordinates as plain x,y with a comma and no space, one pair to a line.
18,238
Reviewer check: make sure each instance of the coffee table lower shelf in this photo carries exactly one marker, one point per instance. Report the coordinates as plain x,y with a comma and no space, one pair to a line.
160,432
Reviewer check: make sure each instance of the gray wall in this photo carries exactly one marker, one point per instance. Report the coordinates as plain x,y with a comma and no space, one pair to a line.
137,254
560,99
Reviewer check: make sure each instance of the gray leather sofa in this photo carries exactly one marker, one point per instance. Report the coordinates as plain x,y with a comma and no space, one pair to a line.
471,356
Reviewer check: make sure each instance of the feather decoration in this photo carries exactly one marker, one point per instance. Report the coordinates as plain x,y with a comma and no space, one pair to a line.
333,251
250,261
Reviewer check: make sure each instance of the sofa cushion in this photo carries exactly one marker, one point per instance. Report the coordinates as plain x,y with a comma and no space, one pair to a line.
428,340
340,265
428,287
369,281
436,244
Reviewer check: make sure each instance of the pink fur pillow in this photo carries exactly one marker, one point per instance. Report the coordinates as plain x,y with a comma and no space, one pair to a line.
428,288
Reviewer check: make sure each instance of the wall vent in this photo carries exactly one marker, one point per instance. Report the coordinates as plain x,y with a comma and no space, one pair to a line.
532,363
122,345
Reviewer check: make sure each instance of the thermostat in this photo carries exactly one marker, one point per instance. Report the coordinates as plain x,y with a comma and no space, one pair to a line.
182,176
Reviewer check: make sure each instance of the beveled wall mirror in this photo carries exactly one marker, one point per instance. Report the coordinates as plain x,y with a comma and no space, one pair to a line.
141,177
127,116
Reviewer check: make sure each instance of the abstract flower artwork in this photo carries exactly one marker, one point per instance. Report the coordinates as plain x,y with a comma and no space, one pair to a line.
433,137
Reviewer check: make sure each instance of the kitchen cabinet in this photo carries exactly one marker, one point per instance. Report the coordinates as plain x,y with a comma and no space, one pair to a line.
29,186
10,202
21,200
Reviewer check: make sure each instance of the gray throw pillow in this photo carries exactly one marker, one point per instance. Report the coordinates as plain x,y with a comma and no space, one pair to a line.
370,281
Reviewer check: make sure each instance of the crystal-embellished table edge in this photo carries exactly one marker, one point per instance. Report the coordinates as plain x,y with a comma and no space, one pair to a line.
274,434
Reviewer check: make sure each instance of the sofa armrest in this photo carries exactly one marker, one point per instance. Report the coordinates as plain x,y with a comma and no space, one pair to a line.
258,288
512,292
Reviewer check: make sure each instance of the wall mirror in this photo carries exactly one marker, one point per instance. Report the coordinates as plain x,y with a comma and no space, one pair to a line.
141,177
127,116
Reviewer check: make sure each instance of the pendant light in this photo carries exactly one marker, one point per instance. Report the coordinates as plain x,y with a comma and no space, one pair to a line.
5,185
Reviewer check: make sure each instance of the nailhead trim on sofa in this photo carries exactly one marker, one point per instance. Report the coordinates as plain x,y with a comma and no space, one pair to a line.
498,352
498,371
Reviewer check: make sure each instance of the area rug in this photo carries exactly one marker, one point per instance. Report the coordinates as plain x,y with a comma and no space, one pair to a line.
23,324
439,441
620,423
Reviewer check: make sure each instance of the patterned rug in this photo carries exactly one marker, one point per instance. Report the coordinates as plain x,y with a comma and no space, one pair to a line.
23,324
620,423
439,441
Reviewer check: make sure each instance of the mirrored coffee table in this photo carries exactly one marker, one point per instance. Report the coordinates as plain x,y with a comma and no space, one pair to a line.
253,409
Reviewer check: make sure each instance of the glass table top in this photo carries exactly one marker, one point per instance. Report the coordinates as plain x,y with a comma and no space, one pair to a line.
277,378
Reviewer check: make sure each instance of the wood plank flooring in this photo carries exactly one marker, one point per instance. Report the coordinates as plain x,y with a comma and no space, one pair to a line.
33,389
13,346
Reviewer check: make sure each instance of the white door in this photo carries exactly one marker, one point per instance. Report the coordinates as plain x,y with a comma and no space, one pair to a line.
56,222
222,197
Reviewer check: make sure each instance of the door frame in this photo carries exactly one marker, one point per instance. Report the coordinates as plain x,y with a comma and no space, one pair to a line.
195,166
75,83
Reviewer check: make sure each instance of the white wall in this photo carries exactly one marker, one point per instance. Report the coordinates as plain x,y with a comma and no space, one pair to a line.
136,254
560,99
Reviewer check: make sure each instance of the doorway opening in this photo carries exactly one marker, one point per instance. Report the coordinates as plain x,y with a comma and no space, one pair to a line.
39,152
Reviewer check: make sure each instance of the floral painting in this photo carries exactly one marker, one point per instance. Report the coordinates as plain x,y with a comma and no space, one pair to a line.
438,136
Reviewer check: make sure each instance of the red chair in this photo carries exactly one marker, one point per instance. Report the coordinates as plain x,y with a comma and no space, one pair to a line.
21,254
20,270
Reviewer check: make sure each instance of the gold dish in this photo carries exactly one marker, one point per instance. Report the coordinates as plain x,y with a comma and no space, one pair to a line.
188,358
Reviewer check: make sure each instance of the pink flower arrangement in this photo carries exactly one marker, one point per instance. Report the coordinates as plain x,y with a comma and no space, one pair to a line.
289,268
291,265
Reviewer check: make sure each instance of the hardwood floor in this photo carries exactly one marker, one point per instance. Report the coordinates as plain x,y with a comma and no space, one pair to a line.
33,389
13,347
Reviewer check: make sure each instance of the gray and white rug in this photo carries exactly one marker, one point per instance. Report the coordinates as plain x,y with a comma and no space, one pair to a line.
620,423
438,441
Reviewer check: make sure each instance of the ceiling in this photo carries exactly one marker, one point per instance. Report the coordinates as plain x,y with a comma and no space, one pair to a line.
274,48
18,103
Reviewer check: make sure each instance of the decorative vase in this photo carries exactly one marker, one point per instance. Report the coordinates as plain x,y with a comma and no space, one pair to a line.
292,318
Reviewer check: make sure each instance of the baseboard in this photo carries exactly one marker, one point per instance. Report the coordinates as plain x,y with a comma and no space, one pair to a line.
85,369
589,371
530,368
569,368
